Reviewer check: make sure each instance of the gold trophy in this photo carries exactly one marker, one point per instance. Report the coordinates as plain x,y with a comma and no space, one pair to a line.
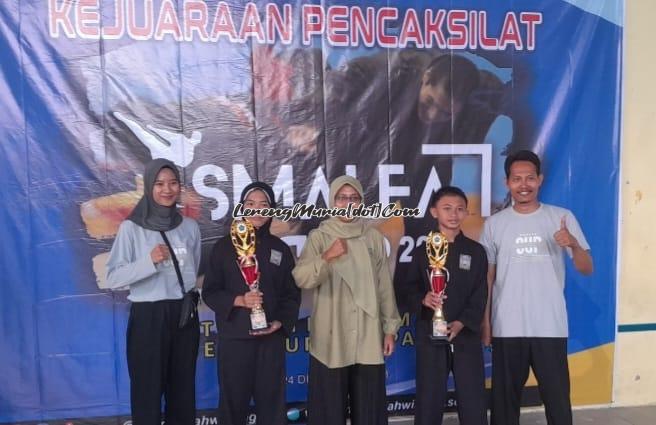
437,249
242,234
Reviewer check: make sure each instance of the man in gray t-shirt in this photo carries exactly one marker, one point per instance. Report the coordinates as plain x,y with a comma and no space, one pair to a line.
526,317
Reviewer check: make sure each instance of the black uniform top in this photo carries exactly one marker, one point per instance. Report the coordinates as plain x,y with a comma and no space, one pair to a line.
224,281
466,289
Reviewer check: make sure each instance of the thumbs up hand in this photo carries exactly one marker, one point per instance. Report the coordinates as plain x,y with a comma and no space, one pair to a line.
563,237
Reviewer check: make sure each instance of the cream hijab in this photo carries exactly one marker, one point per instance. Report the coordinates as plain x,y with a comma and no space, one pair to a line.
355,267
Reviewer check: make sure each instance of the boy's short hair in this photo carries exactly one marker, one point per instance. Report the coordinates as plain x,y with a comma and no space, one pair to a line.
446,191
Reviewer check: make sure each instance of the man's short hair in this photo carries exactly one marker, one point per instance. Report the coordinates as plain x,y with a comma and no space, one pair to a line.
446,191
458,74
523,155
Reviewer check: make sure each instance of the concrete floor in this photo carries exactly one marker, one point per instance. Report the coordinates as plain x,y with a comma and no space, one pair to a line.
643,415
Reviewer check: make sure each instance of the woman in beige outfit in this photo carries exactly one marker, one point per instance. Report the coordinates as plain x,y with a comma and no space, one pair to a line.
354,318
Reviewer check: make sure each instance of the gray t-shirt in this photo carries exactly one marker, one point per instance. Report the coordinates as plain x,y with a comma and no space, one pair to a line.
528,294
130,265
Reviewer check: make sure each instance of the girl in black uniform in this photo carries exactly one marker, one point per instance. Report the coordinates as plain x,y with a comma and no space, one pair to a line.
252,366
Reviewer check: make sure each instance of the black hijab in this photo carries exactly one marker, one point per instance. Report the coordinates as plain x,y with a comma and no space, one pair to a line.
270,197
148,213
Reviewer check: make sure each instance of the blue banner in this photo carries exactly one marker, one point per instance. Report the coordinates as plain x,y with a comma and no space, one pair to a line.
294,94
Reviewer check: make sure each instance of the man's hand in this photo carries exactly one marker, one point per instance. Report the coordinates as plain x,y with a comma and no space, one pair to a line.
336,250
581,257
563,237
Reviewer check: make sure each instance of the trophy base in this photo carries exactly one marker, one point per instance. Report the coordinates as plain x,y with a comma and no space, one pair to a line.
439,338
259,323
257,332
439,332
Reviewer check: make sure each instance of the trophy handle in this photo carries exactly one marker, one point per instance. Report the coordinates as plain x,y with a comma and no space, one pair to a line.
256,284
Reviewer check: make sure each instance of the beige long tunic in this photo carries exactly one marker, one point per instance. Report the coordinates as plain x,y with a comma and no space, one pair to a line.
342,334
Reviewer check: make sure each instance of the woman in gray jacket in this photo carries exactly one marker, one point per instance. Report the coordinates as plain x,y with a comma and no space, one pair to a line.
161,356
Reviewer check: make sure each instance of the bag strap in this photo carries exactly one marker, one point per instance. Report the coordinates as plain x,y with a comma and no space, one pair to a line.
175,261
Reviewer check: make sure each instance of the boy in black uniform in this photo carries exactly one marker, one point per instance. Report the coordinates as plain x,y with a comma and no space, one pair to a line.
252,366
463,306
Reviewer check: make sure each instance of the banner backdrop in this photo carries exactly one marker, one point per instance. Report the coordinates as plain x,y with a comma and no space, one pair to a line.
406,95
